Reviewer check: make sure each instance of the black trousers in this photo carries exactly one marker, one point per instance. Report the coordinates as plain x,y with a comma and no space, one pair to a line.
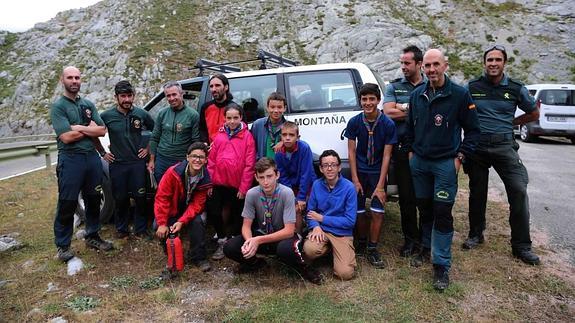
222,196
499,151
407,202
288,250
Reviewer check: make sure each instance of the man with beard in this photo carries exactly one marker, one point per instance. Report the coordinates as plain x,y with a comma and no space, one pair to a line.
177,127
127,158
396,106
497,96
212,112
76,123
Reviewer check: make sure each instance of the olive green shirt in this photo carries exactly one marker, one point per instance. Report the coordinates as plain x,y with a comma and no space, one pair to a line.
125,132
174,132
65,113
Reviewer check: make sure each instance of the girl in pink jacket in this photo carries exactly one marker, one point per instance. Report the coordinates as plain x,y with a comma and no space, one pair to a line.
231,167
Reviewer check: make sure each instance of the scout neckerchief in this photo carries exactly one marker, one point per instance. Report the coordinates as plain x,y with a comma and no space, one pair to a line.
272,131
192,182
233,132
370,139
269,204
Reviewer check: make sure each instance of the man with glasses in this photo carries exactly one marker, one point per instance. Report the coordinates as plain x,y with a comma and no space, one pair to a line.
439,110
177,127
127,158
331,216
396,106
497,96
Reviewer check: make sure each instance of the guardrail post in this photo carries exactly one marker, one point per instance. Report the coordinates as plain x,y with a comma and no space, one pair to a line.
46,151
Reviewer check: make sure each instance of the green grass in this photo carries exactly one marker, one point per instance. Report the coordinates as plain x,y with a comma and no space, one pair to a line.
124,285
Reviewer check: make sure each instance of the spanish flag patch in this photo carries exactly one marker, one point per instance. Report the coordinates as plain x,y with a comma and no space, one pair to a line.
471,106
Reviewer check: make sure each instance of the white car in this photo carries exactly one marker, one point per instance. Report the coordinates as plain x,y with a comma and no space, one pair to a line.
556,112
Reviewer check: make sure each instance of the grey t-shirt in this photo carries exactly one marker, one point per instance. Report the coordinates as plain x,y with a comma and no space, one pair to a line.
283,211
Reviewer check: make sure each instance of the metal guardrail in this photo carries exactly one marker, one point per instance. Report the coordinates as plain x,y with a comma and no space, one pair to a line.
41,137
21,146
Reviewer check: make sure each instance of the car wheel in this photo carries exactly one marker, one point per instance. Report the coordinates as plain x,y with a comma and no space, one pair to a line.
525,134
106,206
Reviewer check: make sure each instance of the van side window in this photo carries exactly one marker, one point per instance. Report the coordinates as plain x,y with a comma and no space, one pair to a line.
313,91
252,92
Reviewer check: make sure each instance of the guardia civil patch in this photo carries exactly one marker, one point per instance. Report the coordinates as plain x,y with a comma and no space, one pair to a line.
438,120
137,124
88,113
179,127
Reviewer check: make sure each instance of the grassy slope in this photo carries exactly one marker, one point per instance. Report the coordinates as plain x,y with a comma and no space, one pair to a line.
487,284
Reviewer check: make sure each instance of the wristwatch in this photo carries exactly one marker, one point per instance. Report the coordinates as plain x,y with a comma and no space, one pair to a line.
404,106
102,153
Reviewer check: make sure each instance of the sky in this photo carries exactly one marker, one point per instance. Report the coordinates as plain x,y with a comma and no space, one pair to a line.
21,15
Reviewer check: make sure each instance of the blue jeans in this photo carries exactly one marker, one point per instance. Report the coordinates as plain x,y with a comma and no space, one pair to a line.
77,173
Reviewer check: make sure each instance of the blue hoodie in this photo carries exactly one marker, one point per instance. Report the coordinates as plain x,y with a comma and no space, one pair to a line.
338,206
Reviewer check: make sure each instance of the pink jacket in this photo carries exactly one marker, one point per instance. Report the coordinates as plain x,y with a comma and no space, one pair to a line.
231,161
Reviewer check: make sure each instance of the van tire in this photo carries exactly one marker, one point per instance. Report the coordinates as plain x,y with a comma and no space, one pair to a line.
525,134
106,207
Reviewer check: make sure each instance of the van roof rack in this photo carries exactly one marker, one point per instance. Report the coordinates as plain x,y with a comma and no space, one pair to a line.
264,56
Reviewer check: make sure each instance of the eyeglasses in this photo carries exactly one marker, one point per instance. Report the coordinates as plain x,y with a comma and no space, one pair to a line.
328,166
196,157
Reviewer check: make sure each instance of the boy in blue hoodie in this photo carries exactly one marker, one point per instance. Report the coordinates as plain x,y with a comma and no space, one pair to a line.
331,216
295,164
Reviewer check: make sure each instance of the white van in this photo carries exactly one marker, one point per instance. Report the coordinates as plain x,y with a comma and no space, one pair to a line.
557,112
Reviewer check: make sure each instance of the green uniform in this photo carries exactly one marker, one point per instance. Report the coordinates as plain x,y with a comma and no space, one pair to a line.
174,132
125,131
66,113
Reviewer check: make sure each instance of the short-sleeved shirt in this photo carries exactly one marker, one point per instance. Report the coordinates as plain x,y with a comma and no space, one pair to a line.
125,131
496,104
384,135
399,91
65,113
282,213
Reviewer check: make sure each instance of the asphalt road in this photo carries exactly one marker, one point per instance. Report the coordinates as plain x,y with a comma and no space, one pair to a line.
551,166
19,165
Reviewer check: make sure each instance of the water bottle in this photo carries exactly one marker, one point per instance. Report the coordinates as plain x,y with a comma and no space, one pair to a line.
175,252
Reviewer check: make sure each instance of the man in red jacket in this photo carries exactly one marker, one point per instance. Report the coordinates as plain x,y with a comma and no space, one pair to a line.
180,201
212,112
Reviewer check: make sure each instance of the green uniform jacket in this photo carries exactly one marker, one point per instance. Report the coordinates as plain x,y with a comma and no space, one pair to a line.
65,113
174,132
125,132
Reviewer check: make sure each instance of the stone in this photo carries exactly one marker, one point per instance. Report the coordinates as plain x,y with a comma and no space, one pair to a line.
75,265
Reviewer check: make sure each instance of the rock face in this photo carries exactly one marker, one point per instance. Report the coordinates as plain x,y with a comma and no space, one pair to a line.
152,41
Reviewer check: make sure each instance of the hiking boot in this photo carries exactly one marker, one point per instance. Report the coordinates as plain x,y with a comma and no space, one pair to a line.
312,275
168,274
440,278
258,264
95,242
374,258
420,258
219,253
527,256
203,265
360,248
407,249
122,234
65,254
472,242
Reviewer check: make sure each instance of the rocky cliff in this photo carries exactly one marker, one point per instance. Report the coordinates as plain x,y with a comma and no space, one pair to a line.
152,41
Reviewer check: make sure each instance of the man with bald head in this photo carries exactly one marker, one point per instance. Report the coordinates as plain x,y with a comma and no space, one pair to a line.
439,110
76,122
